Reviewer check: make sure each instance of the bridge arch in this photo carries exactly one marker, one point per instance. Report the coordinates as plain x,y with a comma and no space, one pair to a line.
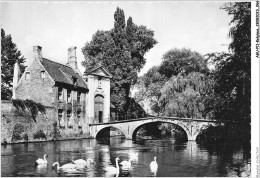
103,129
192,127
137,126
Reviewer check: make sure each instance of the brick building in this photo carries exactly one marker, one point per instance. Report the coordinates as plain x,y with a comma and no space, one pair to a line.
74,100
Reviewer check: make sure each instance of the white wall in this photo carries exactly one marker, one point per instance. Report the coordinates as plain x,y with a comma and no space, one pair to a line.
93,88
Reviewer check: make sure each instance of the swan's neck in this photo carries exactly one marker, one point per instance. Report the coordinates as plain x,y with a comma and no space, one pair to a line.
44,157
58,165
117,164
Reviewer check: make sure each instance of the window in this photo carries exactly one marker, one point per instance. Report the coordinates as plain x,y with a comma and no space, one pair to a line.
69,119
68,114
78,114
79,119
27,76
99,81
74,80
78,98
42,74
60,94
60,114
68,96
60,117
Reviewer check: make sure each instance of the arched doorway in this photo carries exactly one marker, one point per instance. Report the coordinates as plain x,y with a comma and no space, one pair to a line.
99,108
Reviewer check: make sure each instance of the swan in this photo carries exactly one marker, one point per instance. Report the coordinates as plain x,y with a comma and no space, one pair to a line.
84,162
112,169
65,166
41,161
154,165
133,156
41,168
126,164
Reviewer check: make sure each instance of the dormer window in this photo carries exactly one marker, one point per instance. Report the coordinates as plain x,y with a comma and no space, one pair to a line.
27,76
60,97
74,80
99,81
42,74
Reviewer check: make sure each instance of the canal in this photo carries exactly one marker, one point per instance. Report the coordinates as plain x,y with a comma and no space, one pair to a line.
175,159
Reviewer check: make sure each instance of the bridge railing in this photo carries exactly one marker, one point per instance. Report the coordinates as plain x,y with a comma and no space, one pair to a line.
121,116
150,113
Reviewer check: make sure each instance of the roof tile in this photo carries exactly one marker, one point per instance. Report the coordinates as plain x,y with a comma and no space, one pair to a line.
62,73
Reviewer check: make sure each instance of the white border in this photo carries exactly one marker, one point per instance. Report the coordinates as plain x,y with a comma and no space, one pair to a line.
254,95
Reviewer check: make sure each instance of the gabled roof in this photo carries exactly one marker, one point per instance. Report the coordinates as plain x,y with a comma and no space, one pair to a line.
62,73
99,71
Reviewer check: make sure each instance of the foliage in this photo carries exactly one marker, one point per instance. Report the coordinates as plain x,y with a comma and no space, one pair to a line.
56,133
233,71
149,86
9,55
232,76
185,96
182,61
18,129
121,50
136,110
26,137
39,134
32,106
179,86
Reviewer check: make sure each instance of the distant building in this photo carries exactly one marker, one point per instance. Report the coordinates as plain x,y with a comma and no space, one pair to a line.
75,100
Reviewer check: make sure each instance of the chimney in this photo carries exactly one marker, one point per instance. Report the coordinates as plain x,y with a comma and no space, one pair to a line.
72,59
16,78
37,52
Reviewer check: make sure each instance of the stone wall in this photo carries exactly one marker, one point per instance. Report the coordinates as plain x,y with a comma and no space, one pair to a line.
19,127
34,87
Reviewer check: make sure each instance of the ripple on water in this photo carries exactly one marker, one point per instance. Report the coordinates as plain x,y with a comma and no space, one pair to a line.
174,159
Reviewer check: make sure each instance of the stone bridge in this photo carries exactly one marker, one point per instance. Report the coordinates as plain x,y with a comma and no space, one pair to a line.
192,127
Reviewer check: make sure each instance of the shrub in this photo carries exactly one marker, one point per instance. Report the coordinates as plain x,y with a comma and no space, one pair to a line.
25,137
40,134
18,129
56,133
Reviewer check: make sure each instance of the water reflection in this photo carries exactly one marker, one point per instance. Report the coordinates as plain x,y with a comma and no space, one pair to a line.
41,169
175,159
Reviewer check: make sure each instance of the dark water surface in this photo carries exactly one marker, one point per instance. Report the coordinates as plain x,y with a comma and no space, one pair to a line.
174,159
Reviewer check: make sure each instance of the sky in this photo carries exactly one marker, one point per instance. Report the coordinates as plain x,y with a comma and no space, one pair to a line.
56,26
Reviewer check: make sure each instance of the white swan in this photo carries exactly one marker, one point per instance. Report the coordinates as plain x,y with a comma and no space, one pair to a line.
126,164
41,168
112,169
154,166
65,166
84,162
41,161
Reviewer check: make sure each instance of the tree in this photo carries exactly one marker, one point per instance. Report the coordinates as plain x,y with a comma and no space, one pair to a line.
178,86
232,75
233,71
9,55
185,61
149,88
121,50
186,96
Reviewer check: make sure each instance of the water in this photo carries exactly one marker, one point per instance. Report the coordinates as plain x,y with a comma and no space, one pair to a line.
174,159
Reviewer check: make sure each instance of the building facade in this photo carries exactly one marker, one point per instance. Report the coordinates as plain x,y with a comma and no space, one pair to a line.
76,100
